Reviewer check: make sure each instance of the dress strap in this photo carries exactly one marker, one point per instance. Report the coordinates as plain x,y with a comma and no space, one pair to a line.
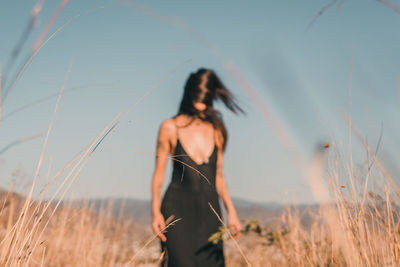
176,130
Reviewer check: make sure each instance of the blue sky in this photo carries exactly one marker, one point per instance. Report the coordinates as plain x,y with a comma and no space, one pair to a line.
124,48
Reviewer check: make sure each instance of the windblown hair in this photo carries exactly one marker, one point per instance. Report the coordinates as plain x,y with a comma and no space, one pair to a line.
216,90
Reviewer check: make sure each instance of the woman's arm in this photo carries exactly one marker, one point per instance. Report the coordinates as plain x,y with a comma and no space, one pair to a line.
163,149
222,191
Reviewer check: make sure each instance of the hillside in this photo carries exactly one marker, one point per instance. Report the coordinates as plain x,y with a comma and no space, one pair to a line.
140,210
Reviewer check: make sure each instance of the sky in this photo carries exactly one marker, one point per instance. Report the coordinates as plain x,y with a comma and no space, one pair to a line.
293,72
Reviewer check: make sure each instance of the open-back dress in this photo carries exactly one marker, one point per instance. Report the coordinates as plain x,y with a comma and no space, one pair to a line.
191,188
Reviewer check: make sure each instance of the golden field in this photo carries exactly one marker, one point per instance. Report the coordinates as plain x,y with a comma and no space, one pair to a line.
358,227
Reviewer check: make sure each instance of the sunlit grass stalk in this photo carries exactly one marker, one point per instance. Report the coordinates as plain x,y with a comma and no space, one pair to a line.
20,222
230,235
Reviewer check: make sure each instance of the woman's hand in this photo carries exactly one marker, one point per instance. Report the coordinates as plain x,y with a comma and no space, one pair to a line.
158,226
234,225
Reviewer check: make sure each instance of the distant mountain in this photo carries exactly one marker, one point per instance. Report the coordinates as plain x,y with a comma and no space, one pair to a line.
128,208
140,210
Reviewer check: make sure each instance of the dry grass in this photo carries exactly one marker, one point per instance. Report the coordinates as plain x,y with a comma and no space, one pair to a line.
74,237
356,228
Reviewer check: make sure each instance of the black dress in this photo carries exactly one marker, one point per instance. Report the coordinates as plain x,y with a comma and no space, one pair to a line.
187,197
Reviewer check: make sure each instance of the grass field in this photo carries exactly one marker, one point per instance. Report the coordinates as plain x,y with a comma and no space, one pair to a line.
357,228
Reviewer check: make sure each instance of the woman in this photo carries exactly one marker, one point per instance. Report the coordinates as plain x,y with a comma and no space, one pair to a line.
196,139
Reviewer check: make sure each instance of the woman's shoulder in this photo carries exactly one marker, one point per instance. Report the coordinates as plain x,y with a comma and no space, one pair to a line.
168,125
181,120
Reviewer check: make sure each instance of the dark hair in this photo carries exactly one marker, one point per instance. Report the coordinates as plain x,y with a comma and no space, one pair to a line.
216,90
